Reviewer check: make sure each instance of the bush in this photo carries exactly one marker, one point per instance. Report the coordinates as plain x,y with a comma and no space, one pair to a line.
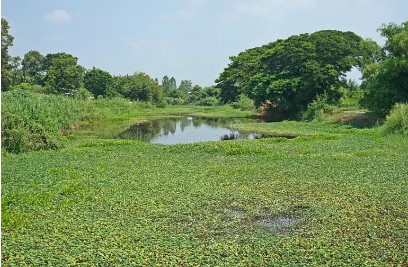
317,109
352,99
244,103
162,104
208,101
397,121
18,136
83,94
174,101
33,122
35,88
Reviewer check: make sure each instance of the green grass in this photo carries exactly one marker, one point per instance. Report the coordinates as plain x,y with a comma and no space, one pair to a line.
114,202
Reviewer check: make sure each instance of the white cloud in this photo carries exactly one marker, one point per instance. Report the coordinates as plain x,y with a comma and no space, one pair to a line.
58,15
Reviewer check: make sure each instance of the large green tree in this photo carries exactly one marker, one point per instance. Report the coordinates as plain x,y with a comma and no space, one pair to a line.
185,87
386,82
168,84
33,66
289,74
64,75
142,87
98,82
6,59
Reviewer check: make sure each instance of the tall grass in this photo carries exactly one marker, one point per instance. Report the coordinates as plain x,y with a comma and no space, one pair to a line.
397,121
33,121
113,109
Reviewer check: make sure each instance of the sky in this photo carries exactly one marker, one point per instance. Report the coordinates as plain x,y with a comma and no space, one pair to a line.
186,39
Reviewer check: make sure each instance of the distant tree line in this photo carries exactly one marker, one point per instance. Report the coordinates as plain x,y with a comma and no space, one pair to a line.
60,73
285,76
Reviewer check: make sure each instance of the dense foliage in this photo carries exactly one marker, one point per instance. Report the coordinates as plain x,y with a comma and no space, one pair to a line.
386,82
140,86
169,84
289,74
98,82
33,67
32,122
397,120
64,76
6,59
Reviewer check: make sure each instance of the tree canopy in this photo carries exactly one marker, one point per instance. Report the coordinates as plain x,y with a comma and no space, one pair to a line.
32,65
138,87
289,74
64,75
386,82
6,59
98,82
168,84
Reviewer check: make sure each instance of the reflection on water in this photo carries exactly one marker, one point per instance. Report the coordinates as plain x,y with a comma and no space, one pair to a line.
186,130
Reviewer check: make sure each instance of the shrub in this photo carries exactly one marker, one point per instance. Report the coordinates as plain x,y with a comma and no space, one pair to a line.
317,109
352,99
244,103
22,86
208,101
35,88
162,104
83,94
397,121
33,122
174,101
13,134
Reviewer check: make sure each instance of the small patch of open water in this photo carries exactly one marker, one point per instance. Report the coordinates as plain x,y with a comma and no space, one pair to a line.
185,130
278,224
281,224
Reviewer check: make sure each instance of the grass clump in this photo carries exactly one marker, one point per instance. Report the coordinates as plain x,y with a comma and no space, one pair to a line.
33,122
397,121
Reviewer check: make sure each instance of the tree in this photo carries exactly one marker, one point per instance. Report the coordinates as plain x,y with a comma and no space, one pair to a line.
289,74
16,73
386,82
64,75
197,93
33,66
48,59
120,85
143,88
168,84
98,82
6,66
185,87
172,84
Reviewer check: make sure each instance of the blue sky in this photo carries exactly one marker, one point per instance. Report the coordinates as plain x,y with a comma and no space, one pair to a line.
187,39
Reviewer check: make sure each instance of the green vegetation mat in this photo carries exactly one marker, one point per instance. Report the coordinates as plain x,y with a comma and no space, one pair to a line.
334,197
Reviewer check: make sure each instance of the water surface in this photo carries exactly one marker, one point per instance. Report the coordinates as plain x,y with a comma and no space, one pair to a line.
184,130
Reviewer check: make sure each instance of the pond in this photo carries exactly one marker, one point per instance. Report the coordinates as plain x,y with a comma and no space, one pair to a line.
183,130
